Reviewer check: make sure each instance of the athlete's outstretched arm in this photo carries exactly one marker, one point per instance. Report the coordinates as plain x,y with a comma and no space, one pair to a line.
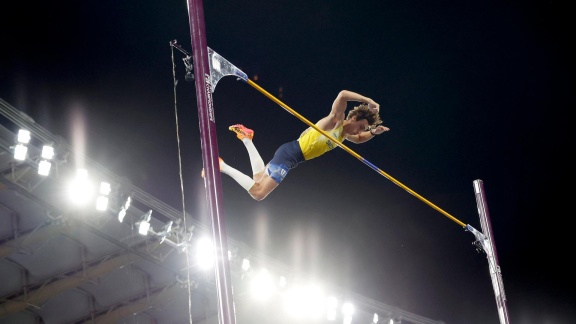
368,135
338,111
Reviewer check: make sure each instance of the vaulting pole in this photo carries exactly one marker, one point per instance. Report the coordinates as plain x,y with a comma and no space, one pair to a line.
356,155
221,67
210,160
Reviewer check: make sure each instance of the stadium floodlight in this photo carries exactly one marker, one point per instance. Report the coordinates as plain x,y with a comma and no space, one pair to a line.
262,285
205,253
305,301
331,304
44,167
80,189
102,200
23,136
20,152
102,203
121,215
144,225
166,231
127,203
245,264
47,152
122,212
105,188
348,311
20,149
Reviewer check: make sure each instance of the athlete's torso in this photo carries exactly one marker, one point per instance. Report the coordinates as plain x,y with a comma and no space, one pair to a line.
313,143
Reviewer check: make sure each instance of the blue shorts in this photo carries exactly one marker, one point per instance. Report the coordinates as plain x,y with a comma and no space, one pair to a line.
287,157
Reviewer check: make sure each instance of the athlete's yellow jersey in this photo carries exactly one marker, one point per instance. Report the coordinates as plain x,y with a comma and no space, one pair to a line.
313,143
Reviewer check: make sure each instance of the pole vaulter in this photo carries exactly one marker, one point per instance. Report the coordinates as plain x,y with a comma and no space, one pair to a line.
210,67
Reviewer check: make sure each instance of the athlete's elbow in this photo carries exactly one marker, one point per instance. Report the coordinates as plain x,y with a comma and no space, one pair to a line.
344,94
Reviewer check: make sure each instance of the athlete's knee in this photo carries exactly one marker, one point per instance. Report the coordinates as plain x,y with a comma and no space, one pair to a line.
258,197
260,191
257,192
257,177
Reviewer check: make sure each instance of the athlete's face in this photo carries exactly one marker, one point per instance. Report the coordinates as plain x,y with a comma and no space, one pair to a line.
357,127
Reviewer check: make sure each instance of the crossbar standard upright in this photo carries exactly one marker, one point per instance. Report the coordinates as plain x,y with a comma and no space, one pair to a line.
486,242
213,183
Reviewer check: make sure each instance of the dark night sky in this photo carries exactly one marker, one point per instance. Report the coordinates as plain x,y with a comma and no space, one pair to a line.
470,90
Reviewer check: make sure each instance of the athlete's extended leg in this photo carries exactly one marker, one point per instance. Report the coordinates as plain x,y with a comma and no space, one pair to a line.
264,181
246,135
258,190
243,180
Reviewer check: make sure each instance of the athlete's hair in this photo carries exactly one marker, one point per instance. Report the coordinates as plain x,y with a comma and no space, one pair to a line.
363,112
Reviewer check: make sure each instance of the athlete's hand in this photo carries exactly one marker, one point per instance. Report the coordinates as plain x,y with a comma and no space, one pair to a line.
373,105
379,130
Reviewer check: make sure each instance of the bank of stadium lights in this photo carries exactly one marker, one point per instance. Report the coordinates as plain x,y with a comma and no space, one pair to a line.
102,200
81,188
81,191
45,163
21,152
21,147
169,229
299,301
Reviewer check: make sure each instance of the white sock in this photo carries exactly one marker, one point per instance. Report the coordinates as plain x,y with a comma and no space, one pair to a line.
243,180
255,160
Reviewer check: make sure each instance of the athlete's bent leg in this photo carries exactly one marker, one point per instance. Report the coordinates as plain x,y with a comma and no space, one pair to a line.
262,188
